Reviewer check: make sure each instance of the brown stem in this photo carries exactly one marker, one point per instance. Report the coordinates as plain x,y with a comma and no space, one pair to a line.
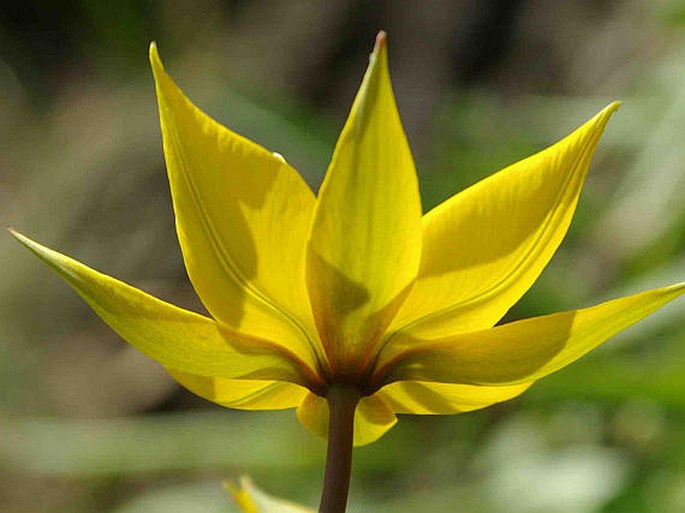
342,402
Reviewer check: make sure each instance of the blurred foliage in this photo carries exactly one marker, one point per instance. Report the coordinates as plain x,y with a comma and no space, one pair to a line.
87,424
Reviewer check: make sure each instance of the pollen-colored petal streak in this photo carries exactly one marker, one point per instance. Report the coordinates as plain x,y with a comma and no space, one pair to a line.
242,217
484,247
519,352
242,394
174,337
372,419
424,398
365,242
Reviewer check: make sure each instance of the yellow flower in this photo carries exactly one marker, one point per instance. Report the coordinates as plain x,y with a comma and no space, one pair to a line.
251,499
354,286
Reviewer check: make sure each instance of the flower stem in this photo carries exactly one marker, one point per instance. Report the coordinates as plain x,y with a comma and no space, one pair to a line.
342,402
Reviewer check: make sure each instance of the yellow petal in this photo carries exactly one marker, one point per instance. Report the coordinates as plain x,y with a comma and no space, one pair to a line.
251,499
242,497
372,419
484,247
174,337
424,398
242,217
242,394
365,243
521,351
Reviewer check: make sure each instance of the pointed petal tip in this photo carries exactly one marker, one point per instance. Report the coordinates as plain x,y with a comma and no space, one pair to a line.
155,60
30,244
380,49
611,108
605,114
678,287
20,237
599,121
381,41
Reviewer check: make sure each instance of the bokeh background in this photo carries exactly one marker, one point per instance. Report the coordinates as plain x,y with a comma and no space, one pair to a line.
88,424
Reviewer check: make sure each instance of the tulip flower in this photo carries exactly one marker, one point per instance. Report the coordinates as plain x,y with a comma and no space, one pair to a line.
351,305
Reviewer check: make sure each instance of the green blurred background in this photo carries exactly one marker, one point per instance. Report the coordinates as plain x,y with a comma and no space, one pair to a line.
88,424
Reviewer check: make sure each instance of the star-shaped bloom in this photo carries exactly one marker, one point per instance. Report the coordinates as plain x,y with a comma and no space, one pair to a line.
353,285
